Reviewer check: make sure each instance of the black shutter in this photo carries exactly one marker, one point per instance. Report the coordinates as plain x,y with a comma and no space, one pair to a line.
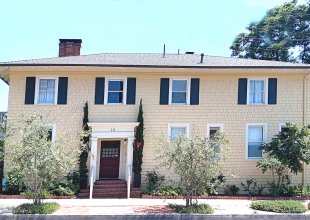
131,91
99,90
164,91
272,91
62,90
194,92
242,91
30,90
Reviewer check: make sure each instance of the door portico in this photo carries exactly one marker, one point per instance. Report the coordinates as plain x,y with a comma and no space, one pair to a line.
122,132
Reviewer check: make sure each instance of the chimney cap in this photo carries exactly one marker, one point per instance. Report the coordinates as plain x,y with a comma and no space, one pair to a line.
70,40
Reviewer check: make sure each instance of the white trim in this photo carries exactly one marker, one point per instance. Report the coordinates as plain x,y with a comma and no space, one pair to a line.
106,89
221,126
188,92
178,126
281,125
36,95
247,136
265,90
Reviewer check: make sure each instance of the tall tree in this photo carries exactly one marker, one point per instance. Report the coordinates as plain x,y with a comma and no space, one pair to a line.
282,35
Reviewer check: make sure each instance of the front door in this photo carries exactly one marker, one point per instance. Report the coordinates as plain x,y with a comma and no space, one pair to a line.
109,159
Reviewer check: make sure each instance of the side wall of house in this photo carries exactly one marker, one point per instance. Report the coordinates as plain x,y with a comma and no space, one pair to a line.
218,104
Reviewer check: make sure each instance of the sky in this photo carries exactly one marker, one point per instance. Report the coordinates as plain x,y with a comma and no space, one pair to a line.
31,29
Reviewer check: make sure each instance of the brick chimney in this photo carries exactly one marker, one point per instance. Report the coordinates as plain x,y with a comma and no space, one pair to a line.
69,47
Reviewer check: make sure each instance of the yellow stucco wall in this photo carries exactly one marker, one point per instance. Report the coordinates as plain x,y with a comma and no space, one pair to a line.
218,104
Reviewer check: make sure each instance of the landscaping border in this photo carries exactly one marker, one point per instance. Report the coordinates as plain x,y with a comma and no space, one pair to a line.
230,197
28,197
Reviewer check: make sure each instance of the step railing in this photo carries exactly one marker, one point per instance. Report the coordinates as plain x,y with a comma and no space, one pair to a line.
129,167
91,183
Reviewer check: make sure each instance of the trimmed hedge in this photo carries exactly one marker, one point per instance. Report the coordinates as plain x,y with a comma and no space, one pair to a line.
195,209
44,208
279,206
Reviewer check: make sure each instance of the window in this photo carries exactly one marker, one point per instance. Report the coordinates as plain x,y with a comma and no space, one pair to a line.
257,92
212,129
256,136
46,90
115,91
283,127
179,91
51,133
177,129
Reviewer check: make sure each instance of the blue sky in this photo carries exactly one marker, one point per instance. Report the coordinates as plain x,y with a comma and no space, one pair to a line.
31,29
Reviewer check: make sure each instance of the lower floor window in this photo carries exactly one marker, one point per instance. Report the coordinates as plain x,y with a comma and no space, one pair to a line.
176,130
256,137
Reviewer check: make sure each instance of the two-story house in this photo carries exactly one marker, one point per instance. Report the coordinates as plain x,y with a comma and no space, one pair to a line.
249,100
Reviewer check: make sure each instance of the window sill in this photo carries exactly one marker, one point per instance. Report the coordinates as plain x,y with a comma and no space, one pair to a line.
45,104
254,158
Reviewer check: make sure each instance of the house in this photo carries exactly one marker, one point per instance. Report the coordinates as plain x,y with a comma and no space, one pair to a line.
249,100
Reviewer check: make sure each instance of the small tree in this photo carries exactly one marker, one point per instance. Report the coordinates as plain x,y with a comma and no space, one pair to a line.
84,150
286,152
30,152
2,130
198,162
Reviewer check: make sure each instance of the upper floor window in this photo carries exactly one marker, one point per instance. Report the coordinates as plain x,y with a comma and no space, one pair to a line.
257,92
179,91
256,136
176,130
213,129
46,90
115,91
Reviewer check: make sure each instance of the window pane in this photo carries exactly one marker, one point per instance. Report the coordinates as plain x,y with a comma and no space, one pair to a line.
179,85
46,91
115,97
213,131
255,134
178,97
253,149
115,85
176,131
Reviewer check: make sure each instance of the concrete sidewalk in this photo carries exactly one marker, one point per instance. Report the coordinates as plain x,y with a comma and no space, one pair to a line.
130,206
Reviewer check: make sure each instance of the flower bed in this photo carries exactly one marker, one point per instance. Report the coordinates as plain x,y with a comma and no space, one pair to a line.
229,197
27,197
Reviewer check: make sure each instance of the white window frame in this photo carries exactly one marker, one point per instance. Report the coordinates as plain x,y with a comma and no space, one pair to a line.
281,125
36,96
106,89
264,125
188,92
170,126
265,91
209,126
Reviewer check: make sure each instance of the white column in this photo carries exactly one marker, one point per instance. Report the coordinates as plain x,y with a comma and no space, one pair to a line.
93,157
129,155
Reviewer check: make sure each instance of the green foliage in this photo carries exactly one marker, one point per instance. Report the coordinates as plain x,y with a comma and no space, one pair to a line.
231,190
43,208
194,209
153,182
14,184
41,161
84,150
280,206
67,186
195,161
282,29
250,187
138,143
285,189
1,162
168,191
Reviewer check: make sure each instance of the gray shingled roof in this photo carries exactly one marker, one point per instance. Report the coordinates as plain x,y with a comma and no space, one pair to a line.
154,60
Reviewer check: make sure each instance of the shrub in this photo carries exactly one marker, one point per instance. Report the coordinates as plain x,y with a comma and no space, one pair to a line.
280,206
231,190
283,189
67,186
168,191
14,184
43,208
194,209
252,188
153,181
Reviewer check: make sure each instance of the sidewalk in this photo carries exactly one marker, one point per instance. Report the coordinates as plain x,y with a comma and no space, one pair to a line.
133,206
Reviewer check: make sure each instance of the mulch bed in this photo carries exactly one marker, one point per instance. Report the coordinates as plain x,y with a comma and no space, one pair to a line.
3,196
153,209
230,197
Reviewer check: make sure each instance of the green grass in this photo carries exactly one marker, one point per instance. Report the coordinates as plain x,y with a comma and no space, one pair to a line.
44,208
195,209
279,206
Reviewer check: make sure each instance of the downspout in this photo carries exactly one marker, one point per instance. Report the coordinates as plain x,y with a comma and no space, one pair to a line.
304,121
